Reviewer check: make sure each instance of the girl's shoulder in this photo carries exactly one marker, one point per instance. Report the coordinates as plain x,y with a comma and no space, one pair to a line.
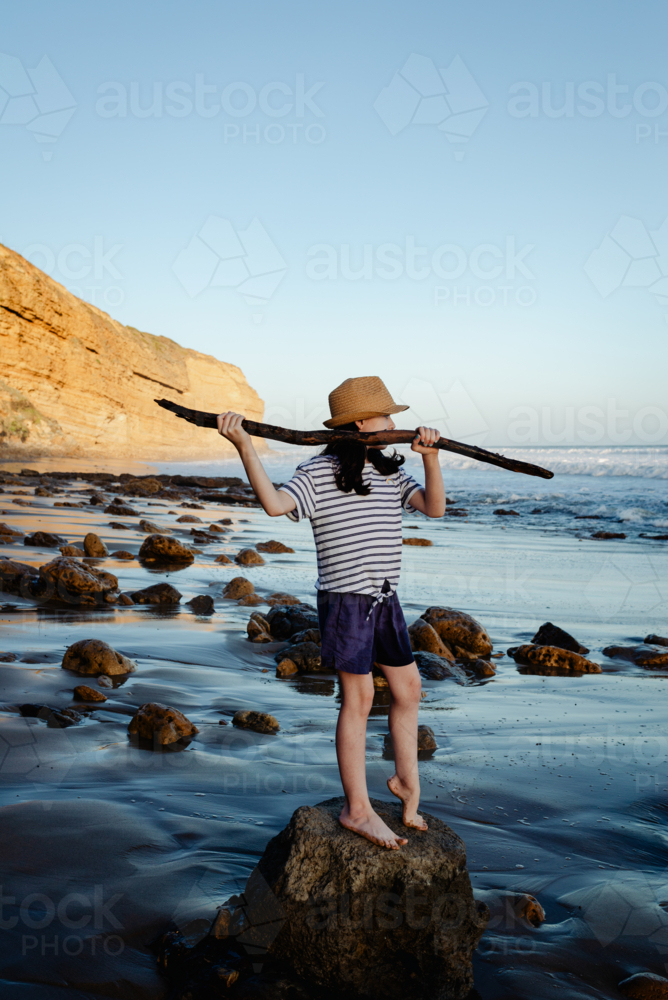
317,464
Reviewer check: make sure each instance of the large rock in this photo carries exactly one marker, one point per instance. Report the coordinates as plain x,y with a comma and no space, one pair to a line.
551,635
424,637
160,724
143,487
551,659
83,384
161,549
259,722
304,655
237,587
273,546
350,916
121,510
644,986
258,628
642,655
72,581
85,693
44,540
463,635
93,656
158,593
437,668
15,577
285,620
656,640
94,546
202,604
249,557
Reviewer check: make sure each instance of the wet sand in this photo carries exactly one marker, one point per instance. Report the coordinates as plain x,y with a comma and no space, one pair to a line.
558,785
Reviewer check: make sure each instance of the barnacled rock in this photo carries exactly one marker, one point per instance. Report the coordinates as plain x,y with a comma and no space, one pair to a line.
547,659
159,593
93,656
436,668
286,619
72,581
305,655
335,907
424,637
249,557
642,655
237,587
44,539
463,635
160,724
551,635
273,546
161,549
259,722
84,693
202,604
94,546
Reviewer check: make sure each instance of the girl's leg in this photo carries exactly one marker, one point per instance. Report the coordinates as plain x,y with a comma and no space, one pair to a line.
405,689
357,814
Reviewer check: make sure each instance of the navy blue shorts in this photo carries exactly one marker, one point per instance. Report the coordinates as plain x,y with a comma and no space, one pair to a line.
353,643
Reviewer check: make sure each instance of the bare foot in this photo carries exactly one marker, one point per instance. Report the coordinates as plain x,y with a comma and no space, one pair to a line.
371,826
409,800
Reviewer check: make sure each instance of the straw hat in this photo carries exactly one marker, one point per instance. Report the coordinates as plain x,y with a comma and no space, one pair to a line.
359,398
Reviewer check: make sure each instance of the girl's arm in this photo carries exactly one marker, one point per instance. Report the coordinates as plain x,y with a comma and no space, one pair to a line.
430,500
274,501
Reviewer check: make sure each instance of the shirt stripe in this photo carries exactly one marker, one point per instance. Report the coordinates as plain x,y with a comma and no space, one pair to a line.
358,539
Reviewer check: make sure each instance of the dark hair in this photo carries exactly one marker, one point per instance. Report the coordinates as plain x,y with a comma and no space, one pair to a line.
351,456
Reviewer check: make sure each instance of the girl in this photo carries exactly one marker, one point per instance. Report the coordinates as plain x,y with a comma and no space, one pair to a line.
353,495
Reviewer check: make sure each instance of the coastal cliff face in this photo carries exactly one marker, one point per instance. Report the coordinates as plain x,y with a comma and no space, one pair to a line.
75,383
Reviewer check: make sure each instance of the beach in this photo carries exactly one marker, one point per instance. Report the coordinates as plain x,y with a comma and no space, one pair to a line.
557,784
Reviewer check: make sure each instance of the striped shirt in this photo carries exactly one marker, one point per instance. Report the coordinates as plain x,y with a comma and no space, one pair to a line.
357,538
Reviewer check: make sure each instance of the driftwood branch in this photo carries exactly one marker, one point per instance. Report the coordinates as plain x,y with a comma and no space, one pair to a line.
202,419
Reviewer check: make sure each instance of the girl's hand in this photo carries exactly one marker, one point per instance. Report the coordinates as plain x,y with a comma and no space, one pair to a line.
424,439
229,425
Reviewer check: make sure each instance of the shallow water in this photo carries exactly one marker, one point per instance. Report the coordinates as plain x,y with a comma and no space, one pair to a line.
558,785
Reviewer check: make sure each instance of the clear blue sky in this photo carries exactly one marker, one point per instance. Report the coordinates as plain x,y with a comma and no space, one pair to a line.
511,312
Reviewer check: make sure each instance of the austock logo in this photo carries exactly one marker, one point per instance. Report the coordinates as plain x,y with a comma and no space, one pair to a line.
420,94
631,256
35,98
218,256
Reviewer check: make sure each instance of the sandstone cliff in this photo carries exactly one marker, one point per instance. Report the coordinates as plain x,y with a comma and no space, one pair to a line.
74,382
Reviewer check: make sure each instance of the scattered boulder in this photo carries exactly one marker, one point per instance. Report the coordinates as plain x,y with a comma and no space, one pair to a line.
435,922
508,908
125,599
506,513
93,656
72,550
237,587
424,637
94,546
436,668
426,741
161,549
159,593
273,546
548,659
608,534
222,558
143,487
480,668
251,601
44,540
69,580
656,640
286,668
258,628
189,519
308,635
417,541
305,655
84,693
118,526
202,604
280,598
122,554
286,619
160,724
249,557
149,528
463,635
7,532
15,577
98,500
121,510
642,655
551,635
259,722
644,986
7,657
